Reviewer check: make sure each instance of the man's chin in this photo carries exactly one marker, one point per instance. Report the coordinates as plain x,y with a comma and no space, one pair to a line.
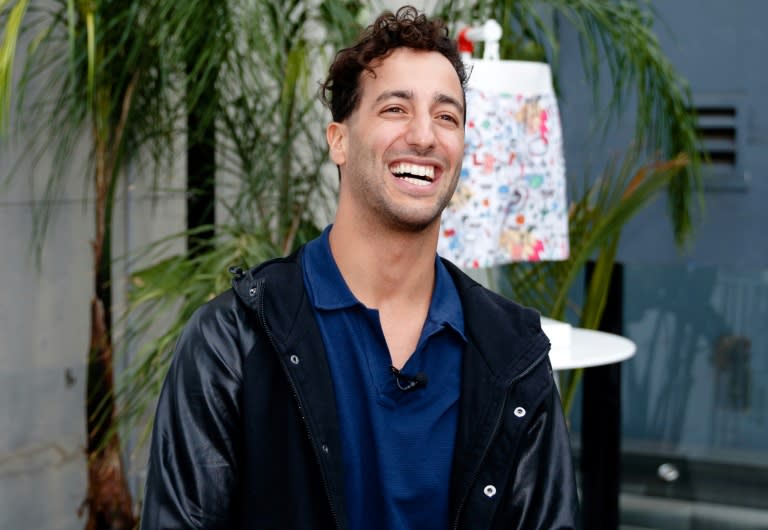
415,224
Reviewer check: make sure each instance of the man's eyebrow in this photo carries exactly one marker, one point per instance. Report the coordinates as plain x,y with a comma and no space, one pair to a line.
401,94
408,94
449,100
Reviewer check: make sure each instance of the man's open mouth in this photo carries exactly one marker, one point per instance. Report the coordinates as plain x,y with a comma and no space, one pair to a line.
413,173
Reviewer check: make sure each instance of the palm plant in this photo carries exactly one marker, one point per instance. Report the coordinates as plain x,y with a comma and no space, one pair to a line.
113,72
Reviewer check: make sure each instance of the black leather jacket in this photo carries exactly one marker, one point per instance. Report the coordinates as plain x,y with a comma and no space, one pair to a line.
246,434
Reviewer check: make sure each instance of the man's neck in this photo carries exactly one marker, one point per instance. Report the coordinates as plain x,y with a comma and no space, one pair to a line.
382,266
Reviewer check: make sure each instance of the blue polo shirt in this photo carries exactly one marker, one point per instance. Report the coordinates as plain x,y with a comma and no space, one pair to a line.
397,445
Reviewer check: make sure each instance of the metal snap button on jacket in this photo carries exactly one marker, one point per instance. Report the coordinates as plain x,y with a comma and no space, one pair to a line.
519,412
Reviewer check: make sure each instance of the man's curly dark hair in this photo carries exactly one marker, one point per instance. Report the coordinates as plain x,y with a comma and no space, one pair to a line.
407,28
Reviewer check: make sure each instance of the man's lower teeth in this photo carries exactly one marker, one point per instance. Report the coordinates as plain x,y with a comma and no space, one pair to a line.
415,181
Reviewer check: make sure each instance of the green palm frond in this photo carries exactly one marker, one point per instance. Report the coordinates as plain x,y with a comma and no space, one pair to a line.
13,27
113,69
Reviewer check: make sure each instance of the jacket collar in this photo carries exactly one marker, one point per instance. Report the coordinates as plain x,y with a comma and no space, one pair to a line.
507,336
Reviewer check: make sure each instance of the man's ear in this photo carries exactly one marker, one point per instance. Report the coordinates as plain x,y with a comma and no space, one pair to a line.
336,135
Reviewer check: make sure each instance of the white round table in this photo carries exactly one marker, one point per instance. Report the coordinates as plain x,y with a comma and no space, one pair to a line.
588,347
584,348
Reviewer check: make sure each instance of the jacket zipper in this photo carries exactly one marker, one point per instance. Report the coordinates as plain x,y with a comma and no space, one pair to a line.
260,296
496,426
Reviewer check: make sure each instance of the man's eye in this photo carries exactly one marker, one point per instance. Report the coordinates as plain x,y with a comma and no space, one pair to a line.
449,117
393,109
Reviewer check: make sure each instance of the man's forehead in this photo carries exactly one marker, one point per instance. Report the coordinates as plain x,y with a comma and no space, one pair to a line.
403,59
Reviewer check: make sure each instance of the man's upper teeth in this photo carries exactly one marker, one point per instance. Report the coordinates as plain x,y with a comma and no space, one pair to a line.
414,169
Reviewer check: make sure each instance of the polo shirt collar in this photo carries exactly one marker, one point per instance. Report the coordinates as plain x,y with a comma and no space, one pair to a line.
326,286
445,307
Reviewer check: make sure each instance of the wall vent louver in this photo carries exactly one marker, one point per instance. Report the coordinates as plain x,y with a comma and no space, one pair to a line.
719,129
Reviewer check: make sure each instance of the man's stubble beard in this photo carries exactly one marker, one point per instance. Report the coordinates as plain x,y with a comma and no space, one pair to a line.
402,218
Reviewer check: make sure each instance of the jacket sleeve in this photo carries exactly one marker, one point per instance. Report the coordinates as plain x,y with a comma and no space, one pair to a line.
546,475
194,452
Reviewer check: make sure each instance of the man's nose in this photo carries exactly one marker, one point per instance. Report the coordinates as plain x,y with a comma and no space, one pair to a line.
421,132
